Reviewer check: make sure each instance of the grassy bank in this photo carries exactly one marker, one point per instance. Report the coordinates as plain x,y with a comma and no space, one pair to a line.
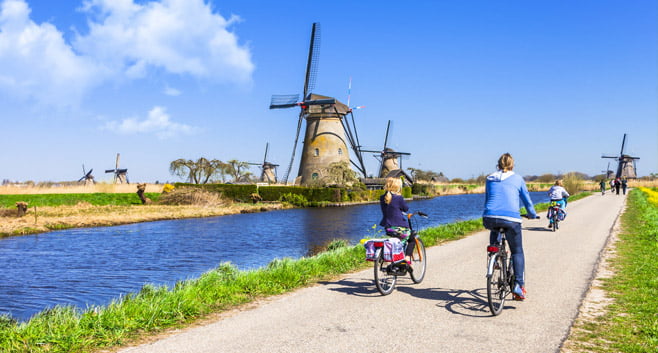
96,199
630,323
154,309
48,218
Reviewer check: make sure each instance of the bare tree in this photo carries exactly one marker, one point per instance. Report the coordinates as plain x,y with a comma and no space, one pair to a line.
197,172
238,170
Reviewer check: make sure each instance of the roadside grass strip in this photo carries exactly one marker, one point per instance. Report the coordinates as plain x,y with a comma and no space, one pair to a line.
157,308
630,323
96,199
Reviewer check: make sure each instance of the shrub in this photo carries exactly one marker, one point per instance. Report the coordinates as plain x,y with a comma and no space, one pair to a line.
294,199
193,196
167,188
573,183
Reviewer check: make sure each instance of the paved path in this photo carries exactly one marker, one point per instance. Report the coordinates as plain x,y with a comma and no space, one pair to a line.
445,313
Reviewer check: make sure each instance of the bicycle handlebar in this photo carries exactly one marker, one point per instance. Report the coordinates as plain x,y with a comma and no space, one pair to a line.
528,216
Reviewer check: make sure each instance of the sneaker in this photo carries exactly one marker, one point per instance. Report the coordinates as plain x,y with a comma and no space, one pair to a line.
519,292
550,225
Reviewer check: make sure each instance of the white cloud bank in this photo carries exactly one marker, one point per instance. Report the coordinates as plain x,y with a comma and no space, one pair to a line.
37,64
157,122
125,40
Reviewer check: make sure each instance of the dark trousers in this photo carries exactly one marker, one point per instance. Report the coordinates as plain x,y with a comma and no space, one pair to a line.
514,239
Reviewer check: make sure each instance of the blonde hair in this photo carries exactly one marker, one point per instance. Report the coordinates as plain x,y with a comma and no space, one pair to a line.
506,162
392,186
558,182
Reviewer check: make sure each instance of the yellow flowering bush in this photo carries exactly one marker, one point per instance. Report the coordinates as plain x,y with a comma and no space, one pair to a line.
653,195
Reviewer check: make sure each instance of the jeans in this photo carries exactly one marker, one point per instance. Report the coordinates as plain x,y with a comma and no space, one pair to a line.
515,241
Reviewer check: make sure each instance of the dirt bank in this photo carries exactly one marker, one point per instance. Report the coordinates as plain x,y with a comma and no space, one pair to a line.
44,219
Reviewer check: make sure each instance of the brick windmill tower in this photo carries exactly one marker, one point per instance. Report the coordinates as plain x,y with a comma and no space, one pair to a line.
328,129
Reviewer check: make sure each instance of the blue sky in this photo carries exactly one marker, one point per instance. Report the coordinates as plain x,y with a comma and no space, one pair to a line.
555,83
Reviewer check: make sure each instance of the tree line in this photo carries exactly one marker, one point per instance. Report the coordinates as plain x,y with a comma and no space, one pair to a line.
203,171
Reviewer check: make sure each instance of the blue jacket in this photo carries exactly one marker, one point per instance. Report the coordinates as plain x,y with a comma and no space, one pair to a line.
392,213
502,195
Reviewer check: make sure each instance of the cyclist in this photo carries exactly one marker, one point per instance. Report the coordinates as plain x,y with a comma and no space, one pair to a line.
503,191
392,204
559,195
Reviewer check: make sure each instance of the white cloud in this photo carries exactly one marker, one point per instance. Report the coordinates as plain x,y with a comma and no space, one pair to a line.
157,122
170,91
37,64
126,40
179,36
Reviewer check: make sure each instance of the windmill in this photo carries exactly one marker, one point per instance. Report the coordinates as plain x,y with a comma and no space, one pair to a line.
625,163
608,172
120,175
389,160
86,176
268,170
328,129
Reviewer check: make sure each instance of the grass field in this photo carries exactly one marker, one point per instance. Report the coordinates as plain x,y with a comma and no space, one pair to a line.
630,323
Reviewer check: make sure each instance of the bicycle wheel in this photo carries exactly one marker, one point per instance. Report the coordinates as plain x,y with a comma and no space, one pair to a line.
384,281
496,284
419,262
554,223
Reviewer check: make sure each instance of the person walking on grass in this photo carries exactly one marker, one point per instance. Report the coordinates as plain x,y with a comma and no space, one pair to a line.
503,190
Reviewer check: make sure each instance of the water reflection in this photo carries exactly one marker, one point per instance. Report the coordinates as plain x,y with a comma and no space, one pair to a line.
92,266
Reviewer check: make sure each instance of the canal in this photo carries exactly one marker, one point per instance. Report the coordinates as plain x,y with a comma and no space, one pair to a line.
92,266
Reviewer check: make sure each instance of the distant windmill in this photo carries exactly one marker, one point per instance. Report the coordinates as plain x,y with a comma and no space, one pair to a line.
268,170
120,175
389,160
328,130
625,163
608,172
86,176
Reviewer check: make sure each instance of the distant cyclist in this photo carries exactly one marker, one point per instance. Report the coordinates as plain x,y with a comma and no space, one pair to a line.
503,191
559,195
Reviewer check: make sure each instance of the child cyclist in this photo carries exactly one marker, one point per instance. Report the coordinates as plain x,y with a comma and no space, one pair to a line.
559,195
393,220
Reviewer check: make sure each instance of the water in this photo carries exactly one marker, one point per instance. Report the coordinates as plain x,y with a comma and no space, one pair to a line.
92,266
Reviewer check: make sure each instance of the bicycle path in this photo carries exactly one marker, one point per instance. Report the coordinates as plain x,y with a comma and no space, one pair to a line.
447,312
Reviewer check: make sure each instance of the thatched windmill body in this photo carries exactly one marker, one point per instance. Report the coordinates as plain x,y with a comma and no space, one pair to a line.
120,175
268,169
389,159
625,163
87,177
328,129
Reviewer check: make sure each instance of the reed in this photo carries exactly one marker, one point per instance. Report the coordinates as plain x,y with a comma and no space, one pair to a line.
77,189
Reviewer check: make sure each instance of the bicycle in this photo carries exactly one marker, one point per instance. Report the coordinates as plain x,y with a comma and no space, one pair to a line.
386,273
500,273
555,214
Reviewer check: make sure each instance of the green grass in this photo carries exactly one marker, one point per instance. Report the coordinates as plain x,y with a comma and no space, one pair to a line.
155,308
631,322
96,199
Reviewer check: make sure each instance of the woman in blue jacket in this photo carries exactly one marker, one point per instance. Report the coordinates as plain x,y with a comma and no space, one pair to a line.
503,191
